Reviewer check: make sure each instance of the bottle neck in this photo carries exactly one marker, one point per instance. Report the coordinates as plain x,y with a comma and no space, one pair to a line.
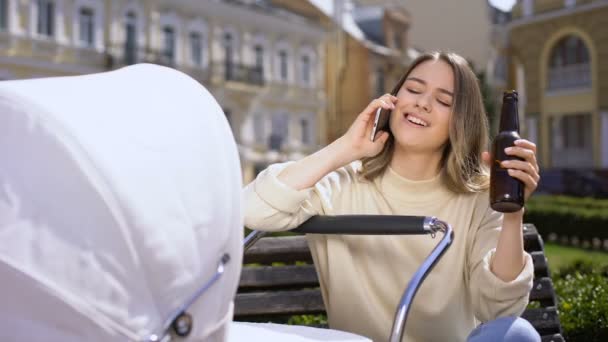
509,119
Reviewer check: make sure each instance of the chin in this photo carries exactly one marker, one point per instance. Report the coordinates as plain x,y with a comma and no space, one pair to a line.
416,145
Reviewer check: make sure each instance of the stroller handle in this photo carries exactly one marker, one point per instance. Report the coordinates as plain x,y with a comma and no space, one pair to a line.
382,225
367,225
359,225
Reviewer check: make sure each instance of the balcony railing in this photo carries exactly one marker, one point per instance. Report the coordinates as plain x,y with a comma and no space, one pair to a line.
228,71
569,77
241,73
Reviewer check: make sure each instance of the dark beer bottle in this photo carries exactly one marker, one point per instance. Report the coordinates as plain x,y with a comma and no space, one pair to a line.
506,192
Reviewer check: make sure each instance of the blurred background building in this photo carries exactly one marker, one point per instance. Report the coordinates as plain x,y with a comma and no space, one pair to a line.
366,53
264,64
292,75
557,61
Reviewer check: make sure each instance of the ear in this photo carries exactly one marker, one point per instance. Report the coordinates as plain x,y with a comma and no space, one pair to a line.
486,158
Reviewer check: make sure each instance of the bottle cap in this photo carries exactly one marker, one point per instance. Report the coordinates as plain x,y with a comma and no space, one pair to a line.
510,93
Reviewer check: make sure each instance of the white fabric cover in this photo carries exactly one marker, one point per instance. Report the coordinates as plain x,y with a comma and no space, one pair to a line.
119,192
269,332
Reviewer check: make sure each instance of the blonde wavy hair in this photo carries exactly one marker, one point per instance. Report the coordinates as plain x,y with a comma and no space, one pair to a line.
462,169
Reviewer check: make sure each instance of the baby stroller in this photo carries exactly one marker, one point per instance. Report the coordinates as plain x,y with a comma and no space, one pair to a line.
120,213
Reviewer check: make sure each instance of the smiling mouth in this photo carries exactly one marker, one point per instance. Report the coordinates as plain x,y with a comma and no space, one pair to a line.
415,120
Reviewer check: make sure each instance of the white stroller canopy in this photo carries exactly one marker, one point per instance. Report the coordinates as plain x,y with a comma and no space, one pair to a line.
119,194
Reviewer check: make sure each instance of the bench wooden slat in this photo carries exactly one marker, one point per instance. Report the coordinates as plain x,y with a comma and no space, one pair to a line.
278,277
552,338
266,277
295,248
285,249
279,303
545,320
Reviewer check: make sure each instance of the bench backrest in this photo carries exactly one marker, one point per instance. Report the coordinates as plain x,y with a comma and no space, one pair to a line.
279,280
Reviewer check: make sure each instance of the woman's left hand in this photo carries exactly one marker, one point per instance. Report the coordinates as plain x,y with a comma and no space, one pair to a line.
525,170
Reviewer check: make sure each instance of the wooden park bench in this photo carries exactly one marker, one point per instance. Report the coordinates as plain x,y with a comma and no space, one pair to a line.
283,282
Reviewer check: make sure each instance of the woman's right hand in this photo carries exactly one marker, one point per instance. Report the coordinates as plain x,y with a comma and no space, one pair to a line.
353,145
357,138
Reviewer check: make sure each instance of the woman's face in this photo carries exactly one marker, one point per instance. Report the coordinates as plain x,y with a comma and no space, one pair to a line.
421,118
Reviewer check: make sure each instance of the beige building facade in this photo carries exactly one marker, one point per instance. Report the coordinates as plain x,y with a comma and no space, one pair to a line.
39,38
557,61
264,65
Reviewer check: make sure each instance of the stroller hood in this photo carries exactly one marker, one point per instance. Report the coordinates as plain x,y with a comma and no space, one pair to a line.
119,194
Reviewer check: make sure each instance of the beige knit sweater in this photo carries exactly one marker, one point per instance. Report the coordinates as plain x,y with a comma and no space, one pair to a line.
363,277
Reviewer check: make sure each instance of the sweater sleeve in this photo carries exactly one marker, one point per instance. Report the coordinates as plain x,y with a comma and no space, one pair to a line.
271,205
492,297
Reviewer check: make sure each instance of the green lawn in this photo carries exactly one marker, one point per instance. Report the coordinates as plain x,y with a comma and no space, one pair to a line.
560,256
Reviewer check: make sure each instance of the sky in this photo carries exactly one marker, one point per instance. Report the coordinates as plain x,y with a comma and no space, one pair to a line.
504,5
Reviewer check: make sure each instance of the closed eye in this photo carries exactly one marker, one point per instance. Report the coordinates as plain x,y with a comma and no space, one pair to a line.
444,103
413,91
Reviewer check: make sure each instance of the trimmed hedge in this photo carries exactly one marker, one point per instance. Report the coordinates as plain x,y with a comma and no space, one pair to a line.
582,291
585,218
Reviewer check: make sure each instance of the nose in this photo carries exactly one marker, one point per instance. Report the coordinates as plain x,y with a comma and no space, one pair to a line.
423,101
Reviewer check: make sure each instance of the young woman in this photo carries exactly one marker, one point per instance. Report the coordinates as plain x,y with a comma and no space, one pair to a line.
431,163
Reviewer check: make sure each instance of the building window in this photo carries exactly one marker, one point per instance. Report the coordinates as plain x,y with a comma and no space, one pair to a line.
576,131
380,82
258,72
283,65
3,15
500,68
569,65
259,58
532,128
87,32
528,7
196,48
229,56
305,128
572,144
130,38
398,43
306,70
258,129
279,131
46,18
169,44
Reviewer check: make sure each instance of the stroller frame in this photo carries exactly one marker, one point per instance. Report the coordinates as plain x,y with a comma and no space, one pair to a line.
390,225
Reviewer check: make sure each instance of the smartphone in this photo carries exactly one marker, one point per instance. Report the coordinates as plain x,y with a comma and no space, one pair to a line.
380,121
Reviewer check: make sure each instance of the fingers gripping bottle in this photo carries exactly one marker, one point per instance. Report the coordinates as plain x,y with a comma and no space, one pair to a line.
506,192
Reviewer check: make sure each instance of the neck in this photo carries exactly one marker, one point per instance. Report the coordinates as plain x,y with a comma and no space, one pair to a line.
415,165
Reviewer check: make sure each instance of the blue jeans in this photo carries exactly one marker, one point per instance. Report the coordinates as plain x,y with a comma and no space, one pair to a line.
506,329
